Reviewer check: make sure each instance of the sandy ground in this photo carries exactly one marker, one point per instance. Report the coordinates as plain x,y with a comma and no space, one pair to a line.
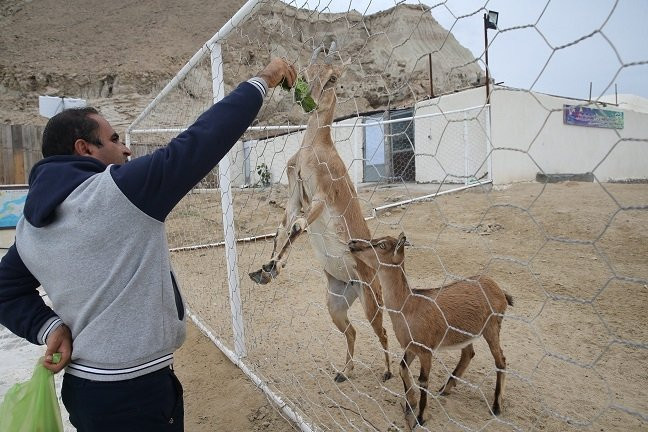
573,255
569,253
226,401
218,396
572,258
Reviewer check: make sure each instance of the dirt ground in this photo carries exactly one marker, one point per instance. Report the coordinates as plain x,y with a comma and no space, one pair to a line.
573,255
218,396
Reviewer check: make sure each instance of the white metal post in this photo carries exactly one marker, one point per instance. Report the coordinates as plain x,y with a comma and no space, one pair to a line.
247,151
356,147
489,144
227,204
465,141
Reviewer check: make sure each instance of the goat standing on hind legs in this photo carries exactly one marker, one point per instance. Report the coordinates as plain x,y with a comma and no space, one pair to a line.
451,317
320,187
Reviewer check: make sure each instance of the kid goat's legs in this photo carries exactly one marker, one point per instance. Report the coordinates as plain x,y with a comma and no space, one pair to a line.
426,363
467,353
491,334
410,392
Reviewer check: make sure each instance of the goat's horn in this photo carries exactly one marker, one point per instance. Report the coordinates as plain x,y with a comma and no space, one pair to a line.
402,241
316,53
331,53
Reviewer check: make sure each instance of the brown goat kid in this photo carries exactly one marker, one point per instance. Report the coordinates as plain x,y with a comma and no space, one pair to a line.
450,317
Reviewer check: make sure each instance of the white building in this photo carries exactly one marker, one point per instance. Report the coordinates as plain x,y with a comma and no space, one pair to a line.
448,141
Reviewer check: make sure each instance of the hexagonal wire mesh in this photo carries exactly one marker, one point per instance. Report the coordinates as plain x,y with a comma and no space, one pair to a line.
572,254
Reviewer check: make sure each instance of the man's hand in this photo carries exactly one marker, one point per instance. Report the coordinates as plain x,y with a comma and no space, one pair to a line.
278,70
60,340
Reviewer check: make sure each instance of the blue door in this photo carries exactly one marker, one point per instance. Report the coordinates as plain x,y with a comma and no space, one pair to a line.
374,150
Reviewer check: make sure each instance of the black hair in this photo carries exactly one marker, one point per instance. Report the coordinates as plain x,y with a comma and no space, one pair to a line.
66,127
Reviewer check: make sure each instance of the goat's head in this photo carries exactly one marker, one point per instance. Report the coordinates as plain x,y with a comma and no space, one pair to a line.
383,250
322,75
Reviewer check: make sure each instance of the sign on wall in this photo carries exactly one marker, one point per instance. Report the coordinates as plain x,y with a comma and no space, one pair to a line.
12,202
577,115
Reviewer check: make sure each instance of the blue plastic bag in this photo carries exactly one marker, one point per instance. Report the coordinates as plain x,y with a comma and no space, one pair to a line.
32,406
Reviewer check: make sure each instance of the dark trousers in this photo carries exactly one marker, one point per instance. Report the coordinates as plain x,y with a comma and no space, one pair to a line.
151,402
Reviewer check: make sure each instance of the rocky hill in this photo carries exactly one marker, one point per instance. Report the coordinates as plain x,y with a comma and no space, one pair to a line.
118,54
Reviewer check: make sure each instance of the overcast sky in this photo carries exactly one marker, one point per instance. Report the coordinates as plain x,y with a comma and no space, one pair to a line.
543,55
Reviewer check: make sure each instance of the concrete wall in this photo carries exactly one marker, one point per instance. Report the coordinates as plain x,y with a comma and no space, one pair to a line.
348,136
452,141
529,136
275,153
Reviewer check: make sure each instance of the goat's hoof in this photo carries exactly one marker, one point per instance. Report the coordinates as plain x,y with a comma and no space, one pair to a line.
408,409
265,274
270,268
496,410
444,392
340,377
447,388
410,419
260,276
387,375
298,226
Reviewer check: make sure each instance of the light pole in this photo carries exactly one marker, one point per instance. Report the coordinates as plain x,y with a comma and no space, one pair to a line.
431,84
490,22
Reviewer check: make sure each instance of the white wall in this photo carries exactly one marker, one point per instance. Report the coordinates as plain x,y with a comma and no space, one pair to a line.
275,152
452,145
348,136
529,136
237,177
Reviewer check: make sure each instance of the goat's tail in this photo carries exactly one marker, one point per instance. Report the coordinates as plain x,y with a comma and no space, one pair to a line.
509,299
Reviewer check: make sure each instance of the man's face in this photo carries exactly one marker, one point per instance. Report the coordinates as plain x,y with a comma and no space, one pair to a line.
112,150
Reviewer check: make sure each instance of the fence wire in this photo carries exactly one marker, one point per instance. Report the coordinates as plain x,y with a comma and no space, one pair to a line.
572,254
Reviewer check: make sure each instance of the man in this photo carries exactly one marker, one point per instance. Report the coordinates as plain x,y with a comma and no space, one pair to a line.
93,236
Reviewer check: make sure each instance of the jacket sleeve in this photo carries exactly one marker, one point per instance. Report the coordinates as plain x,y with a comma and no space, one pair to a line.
22,310
155,183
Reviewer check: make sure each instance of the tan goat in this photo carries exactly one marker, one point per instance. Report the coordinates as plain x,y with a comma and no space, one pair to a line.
320,187
450,317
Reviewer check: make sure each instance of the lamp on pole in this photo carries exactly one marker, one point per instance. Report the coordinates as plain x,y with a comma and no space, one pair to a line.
490,22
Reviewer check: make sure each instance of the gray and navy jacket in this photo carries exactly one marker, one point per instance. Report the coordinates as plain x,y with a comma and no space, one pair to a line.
93,236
